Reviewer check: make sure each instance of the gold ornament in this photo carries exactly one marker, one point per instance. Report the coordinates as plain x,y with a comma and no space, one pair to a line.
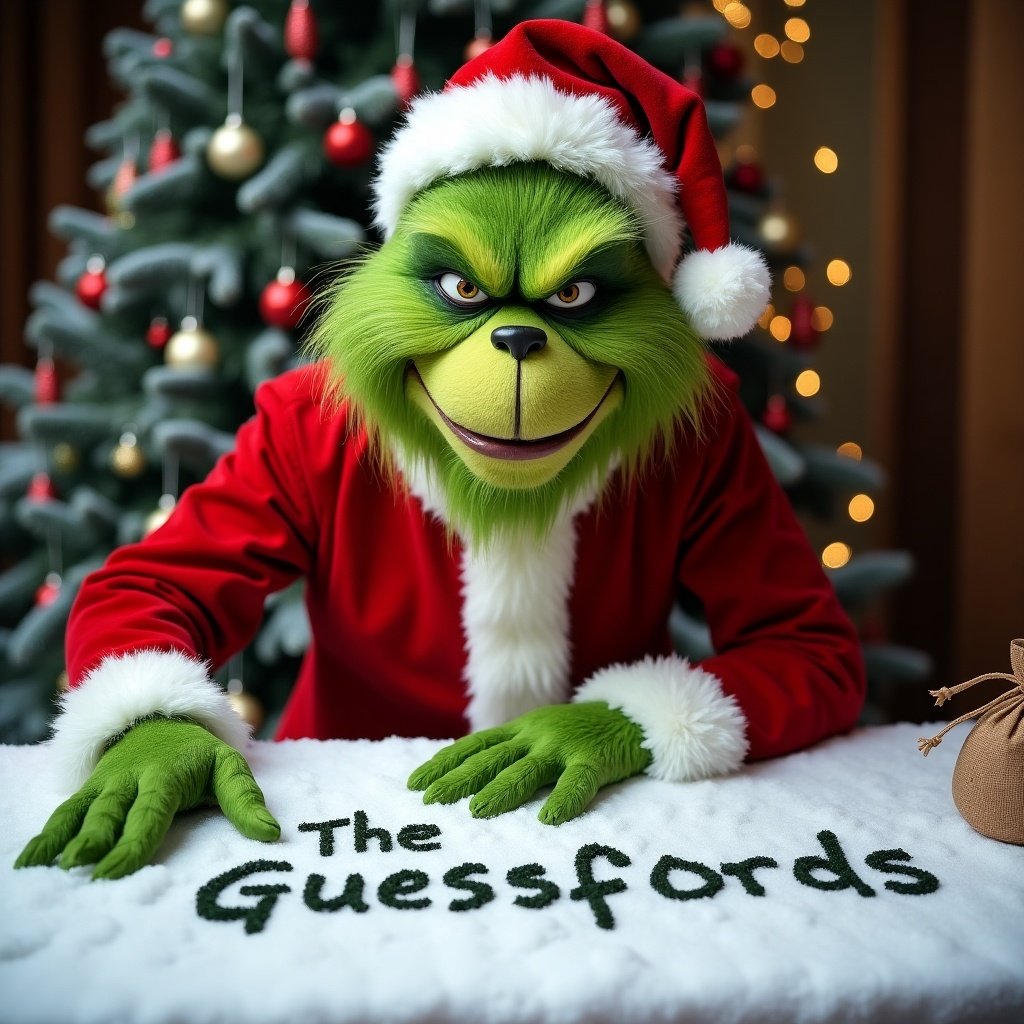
191,347
62,681
64,457
155,520
248,708
234,150
623,20
127,459
203,17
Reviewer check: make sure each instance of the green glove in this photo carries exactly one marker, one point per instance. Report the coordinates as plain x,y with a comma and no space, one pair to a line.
159,767
579,747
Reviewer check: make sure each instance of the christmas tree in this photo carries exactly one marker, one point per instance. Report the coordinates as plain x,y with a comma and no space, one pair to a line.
236,180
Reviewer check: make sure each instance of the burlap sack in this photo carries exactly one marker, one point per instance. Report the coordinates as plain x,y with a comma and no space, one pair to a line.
988,780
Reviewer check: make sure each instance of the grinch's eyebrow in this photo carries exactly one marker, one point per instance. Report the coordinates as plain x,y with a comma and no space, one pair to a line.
431,254
583,257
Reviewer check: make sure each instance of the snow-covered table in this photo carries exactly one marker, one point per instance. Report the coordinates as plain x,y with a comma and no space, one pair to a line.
720,903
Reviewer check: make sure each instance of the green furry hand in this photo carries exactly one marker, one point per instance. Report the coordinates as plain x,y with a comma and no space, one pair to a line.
579,747
159,767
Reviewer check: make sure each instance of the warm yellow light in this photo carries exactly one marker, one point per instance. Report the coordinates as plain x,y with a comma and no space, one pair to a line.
780,327
792,53
766,45
798,30
775,227
862,508
766,317
851,450
795,3
738,15
793,279
821,318
825,160
720,5
838,272
837,554
763,96
745,154
808,383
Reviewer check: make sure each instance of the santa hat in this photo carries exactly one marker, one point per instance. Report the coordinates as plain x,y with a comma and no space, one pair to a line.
560,93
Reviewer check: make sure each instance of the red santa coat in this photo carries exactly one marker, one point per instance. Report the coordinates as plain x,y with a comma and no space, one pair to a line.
413,633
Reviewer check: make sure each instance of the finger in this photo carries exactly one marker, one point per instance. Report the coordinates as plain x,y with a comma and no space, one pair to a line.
58,831
241,799
473,774
101,828
455,753
145,826
576,787
513,787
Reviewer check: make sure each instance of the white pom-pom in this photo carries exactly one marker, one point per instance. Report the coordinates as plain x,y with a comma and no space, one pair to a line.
723,292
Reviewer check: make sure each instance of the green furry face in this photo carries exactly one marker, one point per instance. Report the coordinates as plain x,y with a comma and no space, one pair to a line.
413,337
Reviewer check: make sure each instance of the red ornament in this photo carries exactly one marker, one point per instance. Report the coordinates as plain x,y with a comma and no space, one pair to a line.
747,178
406,80
47,384
163,151
301,37
777,417
284,300
41,488
725,61
158,333
163,47
596,17
91,286
480,43
47,593
803,333
348,142
124,178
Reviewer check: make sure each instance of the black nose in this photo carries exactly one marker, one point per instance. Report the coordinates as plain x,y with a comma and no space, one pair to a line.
518,342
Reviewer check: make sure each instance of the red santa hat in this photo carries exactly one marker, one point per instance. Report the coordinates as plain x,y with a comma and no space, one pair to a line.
560,93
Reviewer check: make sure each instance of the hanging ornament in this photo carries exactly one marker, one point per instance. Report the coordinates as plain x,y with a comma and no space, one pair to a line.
123,181
348,142
623,20
248,708
47,383
203,17
803,333
406,80
483,33
301,38
595,16
693,80
159,515
163,47
41,488
725,61
163,151
64,457
191,347
93,283
480,43
777,416
158,333
127,459
746,177
234,150
49,590
284,301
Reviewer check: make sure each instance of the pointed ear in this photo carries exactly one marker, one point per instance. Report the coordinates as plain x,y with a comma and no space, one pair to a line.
723,292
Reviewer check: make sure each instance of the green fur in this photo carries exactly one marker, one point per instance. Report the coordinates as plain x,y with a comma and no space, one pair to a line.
513,231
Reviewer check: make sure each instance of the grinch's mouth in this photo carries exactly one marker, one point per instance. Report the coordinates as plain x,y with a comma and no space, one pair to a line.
514,450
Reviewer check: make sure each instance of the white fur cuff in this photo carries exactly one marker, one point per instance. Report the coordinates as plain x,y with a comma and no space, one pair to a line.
125,688
692,728
723,292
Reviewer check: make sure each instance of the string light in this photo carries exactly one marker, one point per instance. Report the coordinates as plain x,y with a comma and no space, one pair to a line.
838,272
745,154
836,555
795,3
766,317
738,15
792,53
766,46
793,279
862,508
780,328
763,96
821,318
825,160
851,450
808,383
798,30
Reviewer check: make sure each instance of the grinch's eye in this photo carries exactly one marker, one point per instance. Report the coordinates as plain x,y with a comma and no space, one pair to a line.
573,295
460,291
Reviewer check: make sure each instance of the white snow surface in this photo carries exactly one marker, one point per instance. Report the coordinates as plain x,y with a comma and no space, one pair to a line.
136,950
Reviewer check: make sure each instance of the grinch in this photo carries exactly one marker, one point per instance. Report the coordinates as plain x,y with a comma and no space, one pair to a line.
509,449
